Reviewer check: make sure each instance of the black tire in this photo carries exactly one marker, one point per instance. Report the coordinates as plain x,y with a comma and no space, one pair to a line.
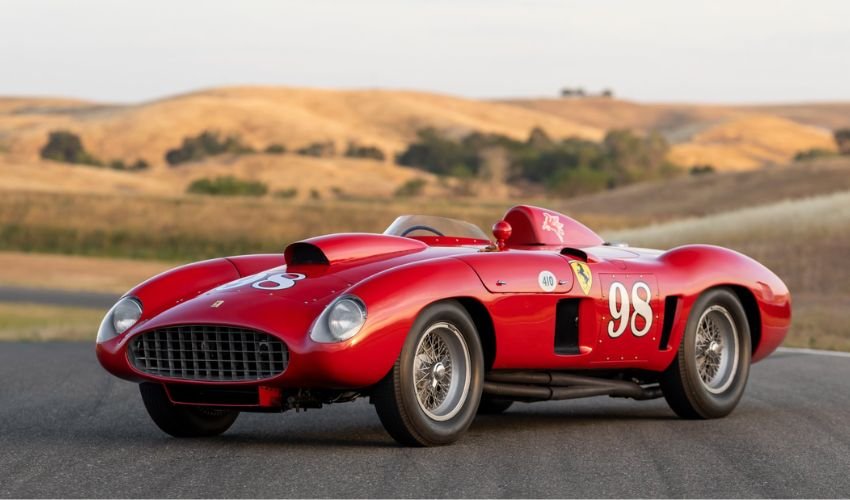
395,397
684,388
184,421
493,406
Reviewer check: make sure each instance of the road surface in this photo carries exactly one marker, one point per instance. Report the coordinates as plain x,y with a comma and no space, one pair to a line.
70,298
67,429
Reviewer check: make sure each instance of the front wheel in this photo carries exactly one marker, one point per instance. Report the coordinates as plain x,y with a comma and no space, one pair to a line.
708,376
184,421
431,395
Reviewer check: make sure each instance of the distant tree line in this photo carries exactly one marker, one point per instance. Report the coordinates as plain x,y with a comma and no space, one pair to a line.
580,92
209,143
67,147
564,167
842,145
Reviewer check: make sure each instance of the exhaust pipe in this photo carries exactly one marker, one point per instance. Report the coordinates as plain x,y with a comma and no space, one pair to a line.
544,386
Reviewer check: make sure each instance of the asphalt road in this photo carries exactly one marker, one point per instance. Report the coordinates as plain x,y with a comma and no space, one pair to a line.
67,429
71,298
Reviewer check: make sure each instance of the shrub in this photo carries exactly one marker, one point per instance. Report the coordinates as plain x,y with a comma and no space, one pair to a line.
314,194
318,149
67,147
413,187
140,164
206,144
814,154
842,140
356,151
702,169
286,193
227,186
275,149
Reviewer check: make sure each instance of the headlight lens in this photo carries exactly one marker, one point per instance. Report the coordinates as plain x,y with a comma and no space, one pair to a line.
340,321
123,315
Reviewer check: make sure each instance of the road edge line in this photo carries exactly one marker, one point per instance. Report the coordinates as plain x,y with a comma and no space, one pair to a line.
818,352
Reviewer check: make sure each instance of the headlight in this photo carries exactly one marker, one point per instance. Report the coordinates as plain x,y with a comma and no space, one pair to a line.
340,321
124,314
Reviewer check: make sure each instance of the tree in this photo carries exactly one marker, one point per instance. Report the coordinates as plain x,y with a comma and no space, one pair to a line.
205,144
67,147
440,155
538,138
413,187
275,149
318,149
357,151
842,140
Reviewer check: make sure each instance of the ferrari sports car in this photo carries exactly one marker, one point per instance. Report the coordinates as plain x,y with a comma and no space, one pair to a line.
435,323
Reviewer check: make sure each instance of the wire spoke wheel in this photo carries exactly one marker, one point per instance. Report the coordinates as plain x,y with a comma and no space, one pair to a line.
441,371
717,349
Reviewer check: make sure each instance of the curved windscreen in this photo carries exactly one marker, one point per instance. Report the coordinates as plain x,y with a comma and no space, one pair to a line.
431,225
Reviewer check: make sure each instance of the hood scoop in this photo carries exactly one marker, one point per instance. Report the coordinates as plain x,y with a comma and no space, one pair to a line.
346,247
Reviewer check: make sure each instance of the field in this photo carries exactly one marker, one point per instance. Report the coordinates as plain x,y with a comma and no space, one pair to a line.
195,227
30,322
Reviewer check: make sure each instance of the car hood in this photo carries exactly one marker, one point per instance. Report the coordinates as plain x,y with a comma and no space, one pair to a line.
285,300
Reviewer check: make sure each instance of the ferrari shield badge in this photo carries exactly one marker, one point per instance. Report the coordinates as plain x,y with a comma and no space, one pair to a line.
583,275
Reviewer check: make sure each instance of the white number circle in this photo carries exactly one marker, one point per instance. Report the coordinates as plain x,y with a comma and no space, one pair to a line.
547,281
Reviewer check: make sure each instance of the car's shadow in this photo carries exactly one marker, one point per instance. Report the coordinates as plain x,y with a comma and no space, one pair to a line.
360,428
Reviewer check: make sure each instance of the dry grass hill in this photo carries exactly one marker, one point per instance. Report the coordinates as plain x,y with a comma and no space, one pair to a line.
264,115
727,137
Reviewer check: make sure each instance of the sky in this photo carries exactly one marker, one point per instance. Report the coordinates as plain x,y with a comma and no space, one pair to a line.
649,50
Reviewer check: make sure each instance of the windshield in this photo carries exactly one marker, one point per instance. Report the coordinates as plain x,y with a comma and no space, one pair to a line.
430,225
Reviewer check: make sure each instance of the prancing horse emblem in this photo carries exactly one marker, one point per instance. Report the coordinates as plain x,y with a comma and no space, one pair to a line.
583,275
217,303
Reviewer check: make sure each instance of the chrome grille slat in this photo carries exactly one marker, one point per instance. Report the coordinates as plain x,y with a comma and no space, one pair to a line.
209,353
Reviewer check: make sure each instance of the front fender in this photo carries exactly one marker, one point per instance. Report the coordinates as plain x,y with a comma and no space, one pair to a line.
394,298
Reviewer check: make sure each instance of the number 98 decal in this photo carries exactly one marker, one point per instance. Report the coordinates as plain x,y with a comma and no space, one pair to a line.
629,309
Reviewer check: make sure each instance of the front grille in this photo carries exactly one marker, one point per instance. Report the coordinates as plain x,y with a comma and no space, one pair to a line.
209,352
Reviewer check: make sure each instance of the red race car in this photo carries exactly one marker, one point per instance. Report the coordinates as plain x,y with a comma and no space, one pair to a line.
434,323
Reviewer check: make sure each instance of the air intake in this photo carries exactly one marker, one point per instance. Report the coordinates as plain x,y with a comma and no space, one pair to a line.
209,353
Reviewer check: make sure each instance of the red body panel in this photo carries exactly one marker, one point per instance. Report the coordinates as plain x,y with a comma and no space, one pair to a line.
519,288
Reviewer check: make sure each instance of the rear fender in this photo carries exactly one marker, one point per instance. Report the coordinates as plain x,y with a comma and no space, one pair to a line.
697,268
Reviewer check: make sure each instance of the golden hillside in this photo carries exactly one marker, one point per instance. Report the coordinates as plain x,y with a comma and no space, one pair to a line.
727,137
334,177
293,117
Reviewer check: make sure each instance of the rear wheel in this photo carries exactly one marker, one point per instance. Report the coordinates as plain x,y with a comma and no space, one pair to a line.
708,376
184,421
431,395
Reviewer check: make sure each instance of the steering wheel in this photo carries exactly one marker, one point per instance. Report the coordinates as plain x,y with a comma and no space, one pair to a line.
421,228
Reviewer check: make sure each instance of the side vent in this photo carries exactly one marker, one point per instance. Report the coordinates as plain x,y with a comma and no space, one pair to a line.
566,327
671,306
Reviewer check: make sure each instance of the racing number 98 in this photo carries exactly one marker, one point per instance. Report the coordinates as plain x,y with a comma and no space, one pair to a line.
620,305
